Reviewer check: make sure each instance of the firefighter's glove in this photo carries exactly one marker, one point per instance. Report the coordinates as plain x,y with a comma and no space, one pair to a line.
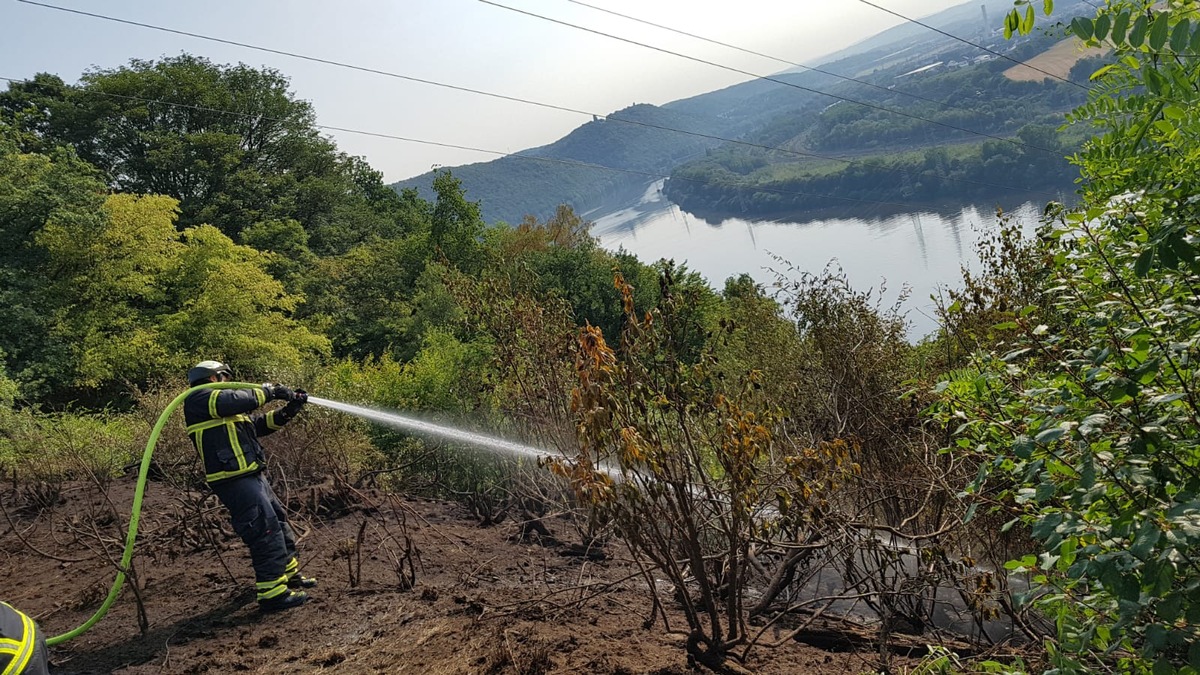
280,392
298,400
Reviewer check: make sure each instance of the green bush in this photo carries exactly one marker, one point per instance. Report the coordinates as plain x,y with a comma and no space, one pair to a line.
68,446
1087,422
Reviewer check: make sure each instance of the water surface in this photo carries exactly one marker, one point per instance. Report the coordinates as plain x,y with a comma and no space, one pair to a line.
922,250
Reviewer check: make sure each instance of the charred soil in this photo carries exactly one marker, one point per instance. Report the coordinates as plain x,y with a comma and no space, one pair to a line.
406,586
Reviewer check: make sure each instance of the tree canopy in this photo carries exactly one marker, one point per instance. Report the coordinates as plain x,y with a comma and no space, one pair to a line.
231,144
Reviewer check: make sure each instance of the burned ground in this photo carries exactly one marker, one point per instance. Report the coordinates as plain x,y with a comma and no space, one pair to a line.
406,586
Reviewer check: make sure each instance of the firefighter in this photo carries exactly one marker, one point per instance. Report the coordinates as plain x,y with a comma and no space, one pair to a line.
226,437
22,646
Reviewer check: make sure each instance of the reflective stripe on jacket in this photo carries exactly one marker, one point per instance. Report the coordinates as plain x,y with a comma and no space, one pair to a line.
224,435
18,640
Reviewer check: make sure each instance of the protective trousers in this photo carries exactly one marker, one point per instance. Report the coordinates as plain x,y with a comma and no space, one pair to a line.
259,519
22,646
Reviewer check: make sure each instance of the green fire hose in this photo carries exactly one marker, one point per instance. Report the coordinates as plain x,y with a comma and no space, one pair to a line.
137,508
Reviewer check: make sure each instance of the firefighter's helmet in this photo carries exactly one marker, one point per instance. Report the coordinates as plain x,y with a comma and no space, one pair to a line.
206,369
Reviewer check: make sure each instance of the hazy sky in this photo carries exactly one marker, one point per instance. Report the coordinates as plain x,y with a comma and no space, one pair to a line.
461,42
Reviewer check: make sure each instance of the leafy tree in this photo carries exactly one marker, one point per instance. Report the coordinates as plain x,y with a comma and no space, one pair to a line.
105,291
382,295
362,298
286,244
34,190
755,336
442,377
222,303
104,278
230,143
1086,423
9,391
456,226
137,300
25,111
559,257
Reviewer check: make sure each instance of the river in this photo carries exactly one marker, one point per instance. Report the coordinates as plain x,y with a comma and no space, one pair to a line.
922,250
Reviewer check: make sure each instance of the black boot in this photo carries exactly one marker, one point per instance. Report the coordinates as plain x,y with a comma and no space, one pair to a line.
301,581
281,602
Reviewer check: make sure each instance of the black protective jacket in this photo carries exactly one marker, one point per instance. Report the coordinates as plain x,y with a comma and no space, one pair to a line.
225,435
22,648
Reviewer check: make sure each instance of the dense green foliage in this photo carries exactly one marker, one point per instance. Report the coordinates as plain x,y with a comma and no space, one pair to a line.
229,143
1081,406
164,212
107,291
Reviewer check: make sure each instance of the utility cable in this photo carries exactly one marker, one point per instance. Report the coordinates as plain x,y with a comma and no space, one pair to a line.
649,125
409,78
752,52
1006,57
757,76
305,57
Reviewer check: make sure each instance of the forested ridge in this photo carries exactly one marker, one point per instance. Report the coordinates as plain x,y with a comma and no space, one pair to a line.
973,134
638,142
1019,492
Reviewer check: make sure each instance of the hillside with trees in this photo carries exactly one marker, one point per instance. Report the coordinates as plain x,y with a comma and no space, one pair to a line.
636,140
866,104
972,134
733,476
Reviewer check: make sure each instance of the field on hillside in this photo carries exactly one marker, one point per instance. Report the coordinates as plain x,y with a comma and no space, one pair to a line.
485,599
1058,60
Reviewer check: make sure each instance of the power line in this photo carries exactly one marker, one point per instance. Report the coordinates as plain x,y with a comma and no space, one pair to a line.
305,57
551,106
1006,57
758,76
773,58
555,160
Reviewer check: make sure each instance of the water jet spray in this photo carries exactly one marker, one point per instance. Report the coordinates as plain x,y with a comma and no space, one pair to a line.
406,423
411,424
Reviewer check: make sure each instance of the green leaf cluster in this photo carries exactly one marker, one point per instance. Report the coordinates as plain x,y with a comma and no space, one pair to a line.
1084,411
